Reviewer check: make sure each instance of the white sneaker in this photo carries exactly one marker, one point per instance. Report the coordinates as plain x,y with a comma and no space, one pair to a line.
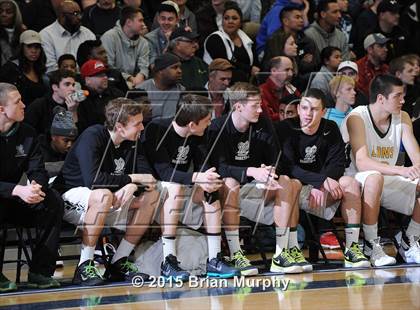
373,250
410,249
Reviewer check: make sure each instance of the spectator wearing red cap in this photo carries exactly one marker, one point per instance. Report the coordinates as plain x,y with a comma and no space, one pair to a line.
95,80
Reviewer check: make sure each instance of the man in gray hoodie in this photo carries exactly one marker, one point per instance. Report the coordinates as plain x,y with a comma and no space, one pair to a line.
127,51
324,31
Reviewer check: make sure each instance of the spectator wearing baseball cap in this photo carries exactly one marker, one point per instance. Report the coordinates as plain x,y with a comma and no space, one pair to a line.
220,77
95,80
389,25
350,69
29,61
194,70
374,63
165,88
362,26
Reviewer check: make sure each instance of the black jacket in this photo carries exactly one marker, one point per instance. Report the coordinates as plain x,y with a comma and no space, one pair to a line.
40,114
29,90
169,154
312,158
91,111
20,152
233,152
95,162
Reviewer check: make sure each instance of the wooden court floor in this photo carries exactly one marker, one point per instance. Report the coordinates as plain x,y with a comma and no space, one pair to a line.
394,288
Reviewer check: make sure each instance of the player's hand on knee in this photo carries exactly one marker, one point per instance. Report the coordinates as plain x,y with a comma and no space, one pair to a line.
31,194
317,198
263,174
412,172
333,187
123,195
209,180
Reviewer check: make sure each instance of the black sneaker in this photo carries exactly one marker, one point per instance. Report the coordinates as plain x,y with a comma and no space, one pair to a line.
6,285
285,263
124,270
36,280
170,269
87,274
218,268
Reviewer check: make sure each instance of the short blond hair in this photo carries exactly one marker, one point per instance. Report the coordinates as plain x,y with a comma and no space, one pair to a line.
338,81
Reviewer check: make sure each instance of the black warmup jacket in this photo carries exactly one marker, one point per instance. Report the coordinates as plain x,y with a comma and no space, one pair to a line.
233,152
19,153
312,158
171,155
95,162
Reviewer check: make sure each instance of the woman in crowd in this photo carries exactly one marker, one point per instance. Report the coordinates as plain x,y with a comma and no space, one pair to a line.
27,69
11,27
233,44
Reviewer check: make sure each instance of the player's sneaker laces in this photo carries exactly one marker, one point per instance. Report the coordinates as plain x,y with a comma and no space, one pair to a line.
410,249
373,250
217,267
241,262
87,274
353,257
124,270
285,263
170,269
297,255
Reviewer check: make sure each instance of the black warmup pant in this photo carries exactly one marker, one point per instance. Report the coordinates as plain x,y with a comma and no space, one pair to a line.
47,217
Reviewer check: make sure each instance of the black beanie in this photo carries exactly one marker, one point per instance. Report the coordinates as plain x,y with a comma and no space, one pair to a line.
164,61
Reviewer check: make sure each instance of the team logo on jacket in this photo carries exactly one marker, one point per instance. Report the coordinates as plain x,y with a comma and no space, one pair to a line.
310,152
119,166
182,156
20,151
243,151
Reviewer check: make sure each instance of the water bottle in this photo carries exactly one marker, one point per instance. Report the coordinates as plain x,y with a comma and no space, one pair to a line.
79,94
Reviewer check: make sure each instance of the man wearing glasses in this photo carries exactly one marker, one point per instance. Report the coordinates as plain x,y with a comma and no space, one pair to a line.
64,35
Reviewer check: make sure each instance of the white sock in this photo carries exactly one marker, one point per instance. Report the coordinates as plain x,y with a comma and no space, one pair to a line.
87,253
413,229
352,235
370,231
232,237
282,238
169,246
124,249
293,238
213,245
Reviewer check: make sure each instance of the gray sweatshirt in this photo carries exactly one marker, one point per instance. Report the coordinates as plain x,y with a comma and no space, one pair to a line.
128,56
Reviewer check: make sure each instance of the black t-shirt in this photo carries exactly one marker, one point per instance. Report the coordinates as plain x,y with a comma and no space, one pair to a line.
233,152
312,158
95,162
171,155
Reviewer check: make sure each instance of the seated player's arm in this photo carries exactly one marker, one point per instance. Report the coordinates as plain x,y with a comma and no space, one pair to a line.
409,141
356,129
